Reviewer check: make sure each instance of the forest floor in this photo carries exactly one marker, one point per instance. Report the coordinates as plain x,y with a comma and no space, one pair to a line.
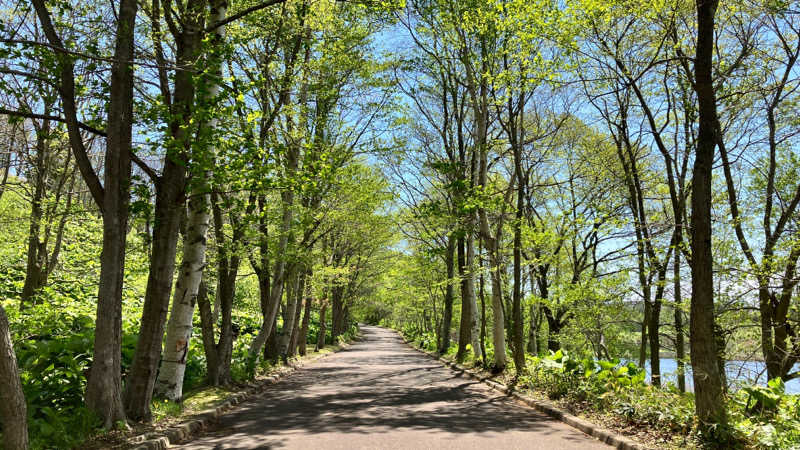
380,393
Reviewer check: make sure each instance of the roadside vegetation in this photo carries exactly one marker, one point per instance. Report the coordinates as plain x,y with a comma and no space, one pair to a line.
53,338
595,200
616,395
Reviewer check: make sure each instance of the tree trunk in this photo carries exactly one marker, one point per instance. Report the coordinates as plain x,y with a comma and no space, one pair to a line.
498,316
533,331
302,300
553,330
207,328
533,309
276,290
464,327
104,384
295,336
654,325
337,312
37,251
680,346
170,198
482,294
323,327
218,355
645,321
518,326
13,409
6,166
447,315
303,343
469,286
271,350
168,212
179,328
291,313
709,401
226,293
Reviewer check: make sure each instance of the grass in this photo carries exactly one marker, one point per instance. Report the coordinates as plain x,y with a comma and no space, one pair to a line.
193,402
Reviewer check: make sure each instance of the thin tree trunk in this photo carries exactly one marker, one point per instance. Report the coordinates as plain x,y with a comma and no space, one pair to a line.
518,324
654,325
323,327
553,330
498,315
13,409
532,345
482,294
645,321
680,346
226,293
447,315
465,327
302,300
272,351
278,271
59,237
469,285
228,262
292,309
709,402
295,336
337,312
6,166
37,251
533,329
301,346
207,328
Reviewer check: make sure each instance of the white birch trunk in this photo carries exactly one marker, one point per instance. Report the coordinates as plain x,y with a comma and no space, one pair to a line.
179,328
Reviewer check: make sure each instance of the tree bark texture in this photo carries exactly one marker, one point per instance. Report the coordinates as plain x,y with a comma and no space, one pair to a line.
13,409
709,402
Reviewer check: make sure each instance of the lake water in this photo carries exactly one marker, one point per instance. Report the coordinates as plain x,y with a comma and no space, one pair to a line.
738,371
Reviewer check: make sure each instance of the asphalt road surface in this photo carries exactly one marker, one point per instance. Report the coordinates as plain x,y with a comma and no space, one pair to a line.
381,394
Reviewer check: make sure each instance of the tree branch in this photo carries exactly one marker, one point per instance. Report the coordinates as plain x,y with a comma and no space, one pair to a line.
31,115
138,161
242,13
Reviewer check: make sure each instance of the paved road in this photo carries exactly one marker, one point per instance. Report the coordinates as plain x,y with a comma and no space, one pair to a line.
381,394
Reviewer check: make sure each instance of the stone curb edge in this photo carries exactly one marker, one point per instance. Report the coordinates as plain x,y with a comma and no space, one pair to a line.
203,420
603,434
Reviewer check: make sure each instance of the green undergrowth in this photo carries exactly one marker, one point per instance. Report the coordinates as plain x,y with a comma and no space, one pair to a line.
54,341
617,394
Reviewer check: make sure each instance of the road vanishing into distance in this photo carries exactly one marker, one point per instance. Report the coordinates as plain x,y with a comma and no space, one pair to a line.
381,394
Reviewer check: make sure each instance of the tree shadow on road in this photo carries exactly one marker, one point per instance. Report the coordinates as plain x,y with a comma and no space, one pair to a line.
376,386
